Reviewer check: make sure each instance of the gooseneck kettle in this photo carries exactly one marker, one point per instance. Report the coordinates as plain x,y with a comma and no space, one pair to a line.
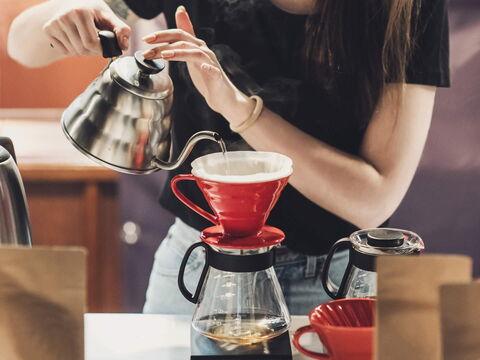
364,246
14,218
122,120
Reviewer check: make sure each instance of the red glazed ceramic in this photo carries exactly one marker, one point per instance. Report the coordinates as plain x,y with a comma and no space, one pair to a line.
267,237
242,199
345,328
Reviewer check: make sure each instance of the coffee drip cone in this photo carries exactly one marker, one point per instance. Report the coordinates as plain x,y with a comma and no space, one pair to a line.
268,236
242,187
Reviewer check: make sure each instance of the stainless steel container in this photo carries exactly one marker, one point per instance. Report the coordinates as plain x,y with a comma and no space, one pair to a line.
14,218
122,120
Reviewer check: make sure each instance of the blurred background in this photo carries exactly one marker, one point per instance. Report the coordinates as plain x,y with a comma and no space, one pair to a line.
117,218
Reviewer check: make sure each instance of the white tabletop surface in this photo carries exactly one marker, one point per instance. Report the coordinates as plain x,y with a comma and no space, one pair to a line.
147,337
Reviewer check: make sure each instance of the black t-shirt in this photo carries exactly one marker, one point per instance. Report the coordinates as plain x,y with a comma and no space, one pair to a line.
260,47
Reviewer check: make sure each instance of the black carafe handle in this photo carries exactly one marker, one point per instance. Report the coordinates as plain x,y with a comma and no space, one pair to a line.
181,281
328,285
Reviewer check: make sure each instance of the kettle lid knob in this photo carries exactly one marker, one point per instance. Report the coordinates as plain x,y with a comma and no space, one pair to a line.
385,238
148,67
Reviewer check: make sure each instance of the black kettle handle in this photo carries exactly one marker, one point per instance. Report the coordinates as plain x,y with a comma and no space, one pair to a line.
339,293
181,281
109,43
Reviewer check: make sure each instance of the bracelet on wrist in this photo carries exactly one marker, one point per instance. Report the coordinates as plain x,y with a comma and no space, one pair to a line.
252,118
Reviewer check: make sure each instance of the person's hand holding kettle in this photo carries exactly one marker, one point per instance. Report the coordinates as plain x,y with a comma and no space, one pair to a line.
72,30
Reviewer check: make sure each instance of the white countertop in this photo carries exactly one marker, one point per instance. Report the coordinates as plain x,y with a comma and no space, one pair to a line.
148,337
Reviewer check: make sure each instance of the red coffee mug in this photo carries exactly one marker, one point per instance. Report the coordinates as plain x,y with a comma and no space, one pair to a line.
345,328
240,204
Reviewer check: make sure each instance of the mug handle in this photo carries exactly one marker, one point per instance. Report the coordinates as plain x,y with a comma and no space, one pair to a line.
296,341
174,185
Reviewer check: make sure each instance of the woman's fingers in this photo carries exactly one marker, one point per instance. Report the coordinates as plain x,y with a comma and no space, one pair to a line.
73,36
56,44
211,70
109,21
182,19
56,34
172,35
88,33
156,52
187,55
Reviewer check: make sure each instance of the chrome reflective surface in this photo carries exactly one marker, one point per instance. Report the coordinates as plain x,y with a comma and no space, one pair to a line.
411,244
122,120
127,72
14,217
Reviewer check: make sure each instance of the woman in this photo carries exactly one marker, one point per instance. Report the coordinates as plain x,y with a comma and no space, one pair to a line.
348,90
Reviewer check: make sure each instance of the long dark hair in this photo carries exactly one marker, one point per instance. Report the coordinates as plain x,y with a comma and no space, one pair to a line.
343,37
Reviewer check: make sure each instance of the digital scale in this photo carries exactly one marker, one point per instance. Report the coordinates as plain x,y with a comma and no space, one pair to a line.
202,347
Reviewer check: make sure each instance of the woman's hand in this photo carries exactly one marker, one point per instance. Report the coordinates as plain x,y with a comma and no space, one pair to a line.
72,30
207,75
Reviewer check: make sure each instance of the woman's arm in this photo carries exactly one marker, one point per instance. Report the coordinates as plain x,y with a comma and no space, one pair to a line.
56,29
364,190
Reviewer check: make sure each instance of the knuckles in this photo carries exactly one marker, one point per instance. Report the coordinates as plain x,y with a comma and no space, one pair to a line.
183,44
91,43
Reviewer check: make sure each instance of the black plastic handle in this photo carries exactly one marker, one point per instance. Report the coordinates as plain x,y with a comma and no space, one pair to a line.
109,43
339,293
181,281
7,144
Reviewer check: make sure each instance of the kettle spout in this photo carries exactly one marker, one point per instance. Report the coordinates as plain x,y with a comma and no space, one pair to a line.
201,135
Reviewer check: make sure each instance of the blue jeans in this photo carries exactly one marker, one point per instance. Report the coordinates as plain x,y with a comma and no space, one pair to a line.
299,275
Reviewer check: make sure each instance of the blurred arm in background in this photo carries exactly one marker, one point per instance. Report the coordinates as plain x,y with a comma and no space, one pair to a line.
56,29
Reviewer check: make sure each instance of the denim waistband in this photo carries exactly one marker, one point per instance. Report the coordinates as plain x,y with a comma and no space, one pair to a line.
312,263
183,236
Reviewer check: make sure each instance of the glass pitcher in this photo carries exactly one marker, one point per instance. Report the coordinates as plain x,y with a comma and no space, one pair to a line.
238,297
360,278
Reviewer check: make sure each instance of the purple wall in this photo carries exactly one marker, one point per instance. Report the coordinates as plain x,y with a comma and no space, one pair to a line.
443,203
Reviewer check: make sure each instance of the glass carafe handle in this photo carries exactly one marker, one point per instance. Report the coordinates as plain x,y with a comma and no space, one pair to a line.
330,288
181,281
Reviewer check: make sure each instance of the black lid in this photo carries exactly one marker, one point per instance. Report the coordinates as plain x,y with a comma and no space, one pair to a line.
385,238
148,67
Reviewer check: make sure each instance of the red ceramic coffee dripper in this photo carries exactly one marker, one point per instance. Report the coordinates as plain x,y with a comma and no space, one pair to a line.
241,193
345,328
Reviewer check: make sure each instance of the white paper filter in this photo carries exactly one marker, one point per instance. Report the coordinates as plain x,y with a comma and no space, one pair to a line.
242,166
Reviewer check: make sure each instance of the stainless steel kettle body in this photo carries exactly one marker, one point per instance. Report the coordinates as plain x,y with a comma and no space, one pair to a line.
122,120
14,218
